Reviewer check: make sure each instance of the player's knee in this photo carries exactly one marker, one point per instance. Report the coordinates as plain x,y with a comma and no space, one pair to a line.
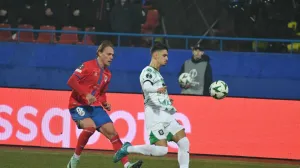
108,130
112,135
108,134
89,126
164,151
184,143
161,151
93,126
90,130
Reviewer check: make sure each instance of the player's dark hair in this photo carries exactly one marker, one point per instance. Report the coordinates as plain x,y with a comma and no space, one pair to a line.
158,47
103,45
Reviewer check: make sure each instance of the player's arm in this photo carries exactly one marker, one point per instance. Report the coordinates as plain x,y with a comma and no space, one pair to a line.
148,87
148,81
75,78
103,99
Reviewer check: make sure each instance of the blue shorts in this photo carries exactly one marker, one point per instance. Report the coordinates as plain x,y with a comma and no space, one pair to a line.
97,114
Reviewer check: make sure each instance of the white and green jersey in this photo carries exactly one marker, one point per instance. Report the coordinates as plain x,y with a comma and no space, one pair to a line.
158,107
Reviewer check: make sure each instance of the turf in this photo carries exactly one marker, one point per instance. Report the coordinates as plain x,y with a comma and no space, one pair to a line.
45,158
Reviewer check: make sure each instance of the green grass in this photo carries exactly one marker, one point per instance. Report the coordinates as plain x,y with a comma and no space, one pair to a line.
45,158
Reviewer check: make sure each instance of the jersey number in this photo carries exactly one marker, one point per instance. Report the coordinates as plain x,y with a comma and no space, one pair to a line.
80,111
161,132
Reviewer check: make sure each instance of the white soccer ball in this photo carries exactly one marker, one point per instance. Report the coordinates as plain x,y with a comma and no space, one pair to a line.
218,89
185,79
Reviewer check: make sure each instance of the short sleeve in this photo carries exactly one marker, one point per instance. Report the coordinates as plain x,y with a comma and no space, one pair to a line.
81,71
148,75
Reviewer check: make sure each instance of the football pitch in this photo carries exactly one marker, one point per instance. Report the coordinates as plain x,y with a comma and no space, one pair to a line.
17,157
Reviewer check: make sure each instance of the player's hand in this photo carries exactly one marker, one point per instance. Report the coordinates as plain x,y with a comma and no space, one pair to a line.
90,98
171,100
162,89
107,106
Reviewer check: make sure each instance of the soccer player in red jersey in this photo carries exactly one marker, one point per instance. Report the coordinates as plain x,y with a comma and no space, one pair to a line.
87,102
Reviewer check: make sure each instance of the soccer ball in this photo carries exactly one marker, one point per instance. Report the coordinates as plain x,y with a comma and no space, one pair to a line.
185,79
218,89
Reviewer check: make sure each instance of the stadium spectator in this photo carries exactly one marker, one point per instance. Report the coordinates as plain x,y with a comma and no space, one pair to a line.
83,13
102,23
25,12
56,13
121,19
138,17
3,10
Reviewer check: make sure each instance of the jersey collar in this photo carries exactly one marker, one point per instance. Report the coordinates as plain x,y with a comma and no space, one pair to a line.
99,65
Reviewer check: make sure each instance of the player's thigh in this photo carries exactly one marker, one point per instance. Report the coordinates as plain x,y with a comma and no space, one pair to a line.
176,131
103,122
162,142
158,135
86,123
82,116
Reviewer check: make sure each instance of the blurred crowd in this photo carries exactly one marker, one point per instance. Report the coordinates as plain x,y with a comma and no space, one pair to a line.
123,16
231,18
277,19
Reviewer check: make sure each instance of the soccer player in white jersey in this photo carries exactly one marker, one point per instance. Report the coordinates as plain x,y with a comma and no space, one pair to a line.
159,114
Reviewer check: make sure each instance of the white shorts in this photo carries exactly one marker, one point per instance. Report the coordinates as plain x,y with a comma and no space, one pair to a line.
164,131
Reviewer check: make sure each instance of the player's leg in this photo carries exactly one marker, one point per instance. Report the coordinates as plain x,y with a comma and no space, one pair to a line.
81,116
105,125
179,136
89,128
158,147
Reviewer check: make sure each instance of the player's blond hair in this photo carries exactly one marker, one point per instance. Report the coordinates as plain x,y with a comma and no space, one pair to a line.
104,44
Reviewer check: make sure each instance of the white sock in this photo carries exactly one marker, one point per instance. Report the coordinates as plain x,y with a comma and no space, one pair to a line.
150,150
183,152
126,165
76,156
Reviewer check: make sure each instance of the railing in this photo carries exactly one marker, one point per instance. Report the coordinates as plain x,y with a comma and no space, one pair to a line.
119,35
